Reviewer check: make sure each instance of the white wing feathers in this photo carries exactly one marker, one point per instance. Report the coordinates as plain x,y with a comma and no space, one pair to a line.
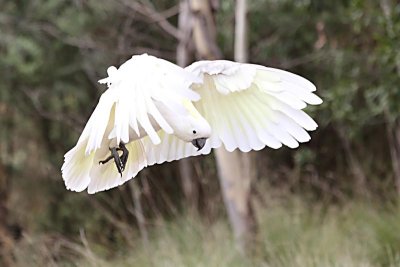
231,77
76,168
105,176
94,130
249,106
133,89
126,112
170,149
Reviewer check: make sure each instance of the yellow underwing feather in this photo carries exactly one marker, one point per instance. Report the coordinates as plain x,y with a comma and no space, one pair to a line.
251,106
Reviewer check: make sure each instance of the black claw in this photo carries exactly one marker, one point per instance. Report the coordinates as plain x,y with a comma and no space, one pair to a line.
106,160
124,156
120,161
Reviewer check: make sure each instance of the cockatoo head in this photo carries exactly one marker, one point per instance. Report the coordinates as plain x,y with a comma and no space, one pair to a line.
191,127
188,125
194,127
195,130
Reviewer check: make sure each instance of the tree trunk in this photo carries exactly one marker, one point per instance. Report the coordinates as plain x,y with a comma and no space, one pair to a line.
183,58
248,171
241,31
393,128
354,163
396,157
138,211
185,22
393,132
204,29
6,238
234,169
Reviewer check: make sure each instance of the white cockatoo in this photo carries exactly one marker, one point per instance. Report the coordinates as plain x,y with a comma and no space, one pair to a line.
155,111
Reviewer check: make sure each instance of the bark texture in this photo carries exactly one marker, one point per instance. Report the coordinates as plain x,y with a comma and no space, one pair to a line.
184,58
234,169
6,237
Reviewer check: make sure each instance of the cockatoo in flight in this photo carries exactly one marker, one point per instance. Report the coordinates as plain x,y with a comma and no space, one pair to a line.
155,111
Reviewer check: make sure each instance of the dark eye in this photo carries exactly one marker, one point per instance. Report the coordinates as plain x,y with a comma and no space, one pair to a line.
194,131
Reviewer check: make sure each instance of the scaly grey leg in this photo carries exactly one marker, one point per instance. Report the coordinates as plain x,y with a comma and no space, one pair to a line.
120,161
117,160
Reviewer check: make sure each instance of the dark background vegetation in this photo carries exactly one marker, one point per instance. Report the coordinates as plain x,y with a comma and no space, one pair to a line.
52,52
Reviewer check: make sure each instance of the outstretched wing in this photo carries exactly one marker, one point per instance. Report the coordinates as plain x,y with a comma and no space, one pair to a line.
82,171
171,148
250,106
133,91
129,107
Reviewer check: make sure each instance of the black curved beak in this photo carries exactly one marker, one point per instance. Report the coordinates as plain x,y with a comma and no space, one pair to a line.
199,143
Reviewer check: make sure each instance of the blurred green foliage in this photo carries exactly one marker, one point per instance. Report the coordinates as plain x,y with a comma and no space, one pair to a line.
54,51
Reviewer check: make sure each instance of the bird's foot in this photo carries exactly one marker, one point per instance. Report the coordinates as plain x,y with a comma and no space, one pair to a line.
124,157
120,161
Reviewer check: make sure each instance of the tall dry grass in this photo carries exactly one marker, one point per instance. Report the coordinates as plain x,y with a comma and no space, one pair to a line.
291,234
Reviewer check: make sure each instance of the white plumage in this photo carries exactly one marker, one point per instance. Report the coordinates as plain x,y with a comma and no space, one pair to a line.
157,109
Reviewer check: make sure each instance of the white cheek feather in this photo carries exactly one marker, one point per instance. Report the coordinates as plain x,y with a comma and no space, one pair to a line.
192,111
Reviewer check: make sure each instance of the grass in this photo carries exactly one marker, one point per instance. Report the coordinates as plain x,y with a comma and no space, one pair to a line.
358,234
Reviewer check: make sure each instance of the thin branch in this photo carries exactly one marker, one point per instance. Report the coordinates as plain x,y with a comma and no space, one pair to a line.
138,211
155,17
88,251
33,98
170,12
288,64
123,227
82,42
